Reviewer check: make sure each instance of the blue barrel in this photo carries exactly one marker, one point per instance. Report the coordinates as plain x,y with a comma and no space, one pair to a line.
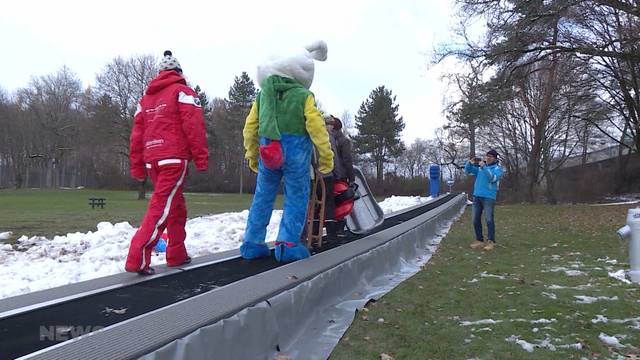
434,180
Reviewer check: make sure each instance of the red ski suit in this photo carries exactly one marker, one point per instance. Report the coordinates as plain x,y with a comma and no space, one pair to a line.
168,131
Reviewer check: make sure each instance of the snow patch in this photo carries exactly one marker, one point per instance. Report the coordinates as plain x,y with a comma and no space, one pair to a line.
620,275
44,263
485,274
5,235
610,340
37,263
544,344
484,329
525,345
618,203
579,287
600,319
480,322
590,299
397,203
606,259
635,322
568,272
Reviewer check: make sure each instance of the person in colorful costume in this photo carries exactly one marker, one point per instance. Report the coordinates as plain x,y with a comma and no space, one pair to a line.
279,133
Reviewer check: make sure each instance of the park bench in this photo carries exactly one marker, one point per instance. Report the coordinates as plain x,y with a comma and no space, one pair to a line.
97,202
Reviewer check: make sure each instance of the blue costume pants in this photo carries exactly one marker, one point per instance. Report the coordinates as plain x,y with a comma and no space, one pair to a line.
295,171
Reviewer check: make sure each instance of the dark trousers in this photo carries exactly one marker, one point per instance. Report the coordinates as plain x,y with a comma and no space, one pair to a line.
329,200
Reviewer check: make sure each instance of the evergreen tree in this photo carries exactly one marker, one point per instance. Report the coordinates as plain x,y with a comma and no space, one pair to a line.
204,100
379,127
241,95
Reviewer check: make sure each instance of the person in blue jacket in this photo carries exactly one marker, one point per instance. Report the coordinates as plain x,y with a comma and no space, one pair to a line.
485,189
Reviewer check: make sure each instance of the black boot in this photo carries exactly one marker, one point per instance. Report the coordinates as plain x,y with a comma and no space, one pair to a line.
340,228
331,231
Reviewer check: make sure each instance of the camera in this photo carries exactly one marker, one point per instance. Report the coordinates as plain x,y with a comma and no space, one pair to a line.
477,161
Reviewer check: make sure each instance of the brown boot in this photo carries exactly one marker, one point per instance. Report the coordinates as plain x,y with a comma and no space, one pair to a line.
489,246
477,244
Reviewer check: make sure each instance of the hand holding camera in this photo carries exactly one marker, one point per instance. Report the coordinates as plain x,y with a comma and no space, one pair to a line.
476,161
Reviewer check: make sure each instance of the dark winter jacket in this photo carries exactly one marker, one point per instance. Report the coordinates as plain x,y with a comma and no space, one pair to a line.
342,159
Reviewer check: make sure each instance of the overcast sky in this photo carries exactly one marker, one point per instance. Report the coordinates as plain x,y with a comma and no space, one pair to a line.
370,43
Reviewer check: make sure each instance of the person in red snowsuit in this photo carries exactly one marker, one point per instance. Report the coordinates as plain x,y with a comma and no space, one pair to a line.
168,131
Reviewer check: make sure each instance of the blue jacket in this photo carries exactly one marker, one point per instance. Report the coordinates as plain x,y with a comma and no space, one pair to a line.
487,179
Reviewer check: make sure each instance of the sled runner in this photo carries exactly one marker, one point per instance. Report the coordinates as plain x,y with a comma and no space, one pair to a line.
366,213
315,206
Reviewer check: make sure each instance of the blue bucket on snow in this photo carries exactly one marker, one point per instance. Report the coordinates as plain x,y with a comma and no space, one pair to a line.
161,245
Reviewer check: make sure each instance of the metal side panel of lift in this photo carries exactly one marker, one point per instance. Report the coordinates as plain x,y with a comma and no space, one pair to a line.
250,318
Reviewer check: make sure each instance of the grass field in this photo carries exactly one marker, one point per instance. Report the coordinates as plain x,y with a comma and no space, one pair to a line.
58,212
466,304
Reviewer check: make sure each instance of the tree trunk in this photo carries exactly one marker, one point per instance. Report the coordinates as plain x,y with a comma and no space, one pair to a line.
472,154
18,180
551,191
241,167
142,191
533,164
621,182
472,140
62,171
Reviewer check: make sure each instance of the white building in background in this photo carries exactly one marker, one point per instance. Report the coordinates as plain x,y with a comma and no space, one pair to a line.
603,153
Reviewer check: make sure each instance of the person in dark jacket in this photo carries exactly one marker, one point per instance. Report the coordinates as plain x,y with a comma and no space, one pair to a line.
485,189
342,160
168,132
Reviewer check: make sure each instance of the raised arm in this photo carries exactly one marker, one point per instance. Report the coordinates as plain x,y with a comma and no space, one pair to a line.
319,135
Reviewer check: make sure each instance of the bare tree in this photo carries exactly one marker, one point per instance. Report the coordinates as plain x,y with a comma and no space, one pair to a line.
124,82
517,130
414,161
472,109
52,101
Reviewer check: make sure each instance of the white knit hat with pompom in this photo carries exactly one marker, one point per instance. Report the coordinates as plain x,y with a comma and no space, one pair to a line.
169,62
